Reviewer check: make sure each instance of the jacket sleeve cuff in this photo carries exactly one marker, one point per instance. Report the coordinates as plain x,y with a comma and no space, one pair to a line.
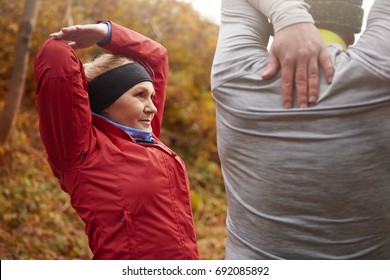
283,13
106,40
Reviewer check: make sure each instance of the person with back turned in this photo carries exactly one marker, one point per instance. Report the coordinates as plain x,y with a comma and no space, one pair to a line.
310,182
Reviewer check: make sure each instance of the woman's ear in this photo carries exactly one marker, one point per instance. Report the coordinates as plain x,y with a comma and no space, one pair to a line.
105,112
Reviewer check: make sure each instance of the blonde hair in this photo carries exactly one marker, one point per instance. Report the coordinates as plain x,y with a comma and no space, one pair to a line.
103,63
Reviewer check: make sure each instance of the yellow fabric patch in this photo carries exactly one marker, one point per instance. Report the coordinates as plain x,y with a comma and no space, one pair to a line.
330,37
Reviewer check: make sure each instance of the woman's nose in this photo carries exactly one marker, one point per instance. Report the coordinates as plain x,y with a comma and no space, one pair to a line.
150,107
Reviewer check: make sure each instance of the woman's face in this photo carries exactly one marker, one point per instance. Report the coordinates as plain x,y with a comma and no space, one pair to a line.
134,108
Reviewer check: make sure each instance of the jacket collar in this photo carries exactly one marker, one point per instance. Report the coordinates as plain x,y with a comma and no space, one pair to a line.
109,128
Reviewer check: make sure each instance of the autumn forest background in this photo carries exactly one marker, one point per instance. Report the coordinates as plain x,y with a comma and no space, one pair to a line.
36,218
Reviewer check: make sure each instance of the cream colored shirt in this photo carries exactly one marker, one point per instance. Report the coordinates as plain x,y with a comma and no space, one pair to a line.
283,13
303,183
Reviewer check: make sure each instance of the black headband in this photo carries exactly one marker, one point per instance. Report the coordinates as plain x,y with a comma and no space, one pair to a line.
109,86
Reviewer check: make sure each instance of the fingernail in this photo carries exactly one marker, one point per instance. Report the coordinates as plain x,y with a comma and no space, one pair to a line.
312,99
287,105
303,105
330,79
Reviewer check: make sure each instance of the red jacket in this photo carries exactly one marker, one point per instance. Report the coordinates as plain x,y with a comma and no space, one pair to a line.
133,198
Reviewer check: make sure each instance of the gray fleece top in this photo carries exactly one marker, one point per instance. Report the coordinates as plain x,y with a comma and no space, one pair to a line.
303,183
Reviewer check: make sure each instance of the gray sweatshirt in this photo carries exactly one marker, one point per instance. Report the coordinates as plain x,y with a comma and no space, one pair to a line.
303,183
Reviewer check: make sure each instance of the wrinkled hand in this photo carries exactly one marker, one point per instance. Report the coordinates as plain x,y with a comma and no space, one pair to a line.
82,36
299,50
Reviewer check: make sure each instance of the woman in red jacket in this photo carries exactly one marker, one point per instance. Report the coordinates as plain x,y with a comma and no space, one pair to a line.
100,126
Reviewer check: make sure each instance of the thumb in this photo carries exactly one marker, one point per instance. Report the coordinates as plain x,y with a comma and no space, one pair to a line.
326,65
74,45
272,67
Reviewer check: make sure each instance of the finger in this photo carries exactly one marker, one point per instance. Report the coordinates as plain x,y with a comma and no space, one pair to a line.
287,80
326,64
301,84
57,35
313,81
66,32
70,29
71,33
272,67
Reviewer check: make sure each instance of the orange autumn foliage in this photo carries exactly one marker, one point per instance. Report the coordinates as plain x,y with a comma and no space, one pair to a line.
36,218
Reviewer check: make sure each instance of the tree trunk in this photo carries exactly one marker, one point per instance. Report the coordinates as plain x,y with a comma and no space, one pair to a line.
19,72
68,19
